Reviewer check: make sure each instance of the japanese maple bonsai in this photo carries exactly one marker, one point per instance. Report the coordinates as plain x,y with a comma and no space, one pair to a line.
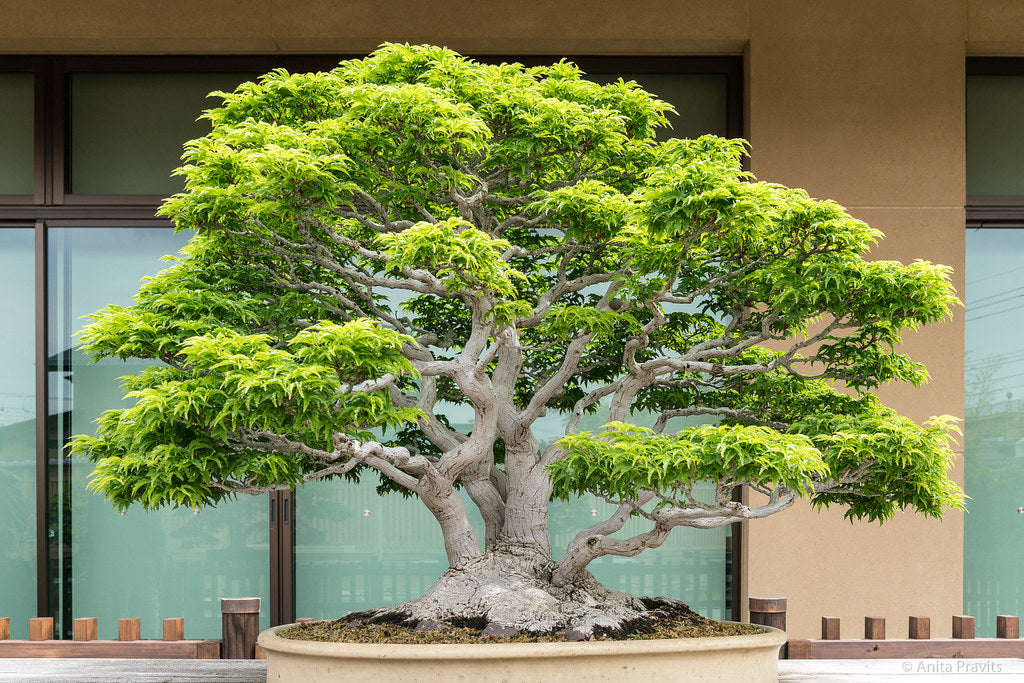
416,228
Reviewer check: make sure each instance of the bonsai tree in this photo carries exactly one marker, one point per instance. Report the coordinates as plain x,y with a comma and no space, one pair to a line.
416,229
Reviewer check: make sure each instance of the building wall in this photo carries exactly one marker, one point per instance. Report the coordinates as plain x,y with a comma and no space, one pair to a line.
861,102
864,103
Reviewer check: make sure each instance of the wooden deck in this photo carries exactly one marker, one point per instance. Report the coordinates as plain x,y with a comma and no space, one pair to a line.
901,670
69,669
255,671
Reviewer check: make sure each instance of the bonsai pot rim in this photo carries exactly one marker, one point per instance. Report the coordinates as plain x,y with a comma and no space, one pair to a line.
750,658
504,650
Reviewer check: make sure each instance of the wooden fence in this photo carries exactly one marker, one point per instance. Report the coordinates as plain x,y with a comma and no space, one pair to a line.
874,645
239,628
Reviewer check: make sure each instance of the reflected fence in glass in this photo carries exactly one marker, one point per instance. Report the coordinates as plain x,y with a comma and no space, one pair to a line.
994,426
152,565
355,550
18,564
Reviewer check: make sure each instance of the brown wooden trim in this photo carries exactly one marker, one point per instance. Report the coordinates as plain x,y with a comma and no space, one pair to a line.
901,648
40,628
734,578
114,200
273,522
129,629
919,628
963,627
286,587
281,518
174,629
136,649
1007,626
995,211
830,628
42,409
86,628
874,628
113,222
97,213
995,66
58,123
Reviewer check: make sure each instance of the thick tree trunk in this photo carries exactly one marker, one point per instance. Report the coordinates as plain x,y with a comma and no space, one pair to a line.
528,495
514,593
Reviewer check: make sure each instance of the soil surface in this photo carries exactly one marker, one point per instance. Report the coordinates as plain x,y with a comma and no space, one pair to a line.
666,619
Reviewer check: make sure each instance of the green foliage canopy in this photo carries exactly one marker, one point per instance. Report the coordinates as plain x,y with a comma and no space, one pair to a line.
416,228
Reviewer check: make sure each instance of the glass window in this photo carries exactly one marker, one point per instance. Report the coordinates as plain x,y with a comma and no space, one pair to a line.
700,100
994,426
18,428
17,133
127,130
355,550
153,565
995,135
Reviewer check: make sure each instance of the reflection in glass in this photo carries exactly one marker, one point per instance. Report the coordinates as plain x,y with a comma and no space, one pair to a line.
700,100
355,550
994,427
17,148
995,135
17,429
154,565
127,129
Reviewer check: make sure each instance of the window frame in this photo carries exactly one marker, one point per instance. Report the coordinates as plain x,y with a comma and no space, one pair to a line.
994,211
53,205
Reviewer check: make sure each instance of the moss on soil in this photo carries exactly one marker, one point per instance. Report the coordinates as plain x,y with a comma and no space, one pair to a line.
665,623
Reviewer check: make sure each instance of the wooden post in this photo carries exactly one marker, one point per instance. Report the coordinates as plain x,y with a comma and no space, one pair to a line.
5,628
129,629
920,628
1007,626
830,628
40,628
240,624
85,628
874,628
768,612
174,629
963,627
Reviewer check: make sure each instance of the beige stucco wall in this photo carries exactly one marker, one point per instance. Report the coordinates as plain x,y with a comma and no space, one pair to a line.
862,102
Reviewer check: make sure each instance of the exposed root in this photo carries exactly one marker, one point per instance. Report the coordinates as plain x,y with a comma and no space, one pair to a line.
504,594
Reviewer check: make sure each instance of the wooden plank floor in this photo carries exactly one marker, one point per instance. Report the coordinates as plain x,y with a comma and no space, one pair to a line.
134,670
64,670
901,670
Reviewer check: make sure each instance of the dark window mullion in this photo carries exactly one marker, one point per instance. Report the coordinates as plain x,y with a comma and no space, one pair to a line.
42,416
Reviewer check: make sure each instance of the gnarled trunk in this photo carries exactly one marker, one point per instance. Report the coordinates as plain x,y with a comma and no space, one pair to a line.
513,591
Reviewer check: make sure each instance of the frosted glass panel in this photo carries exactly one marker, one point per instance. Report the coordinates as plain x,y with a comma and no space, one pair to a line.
127,130
153,565
17,157
700,100
994,427
355,550
995,135
17,430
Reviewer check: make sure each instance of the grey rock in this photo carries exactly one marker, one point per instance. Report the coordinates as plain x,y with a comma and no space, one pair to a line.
495,629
